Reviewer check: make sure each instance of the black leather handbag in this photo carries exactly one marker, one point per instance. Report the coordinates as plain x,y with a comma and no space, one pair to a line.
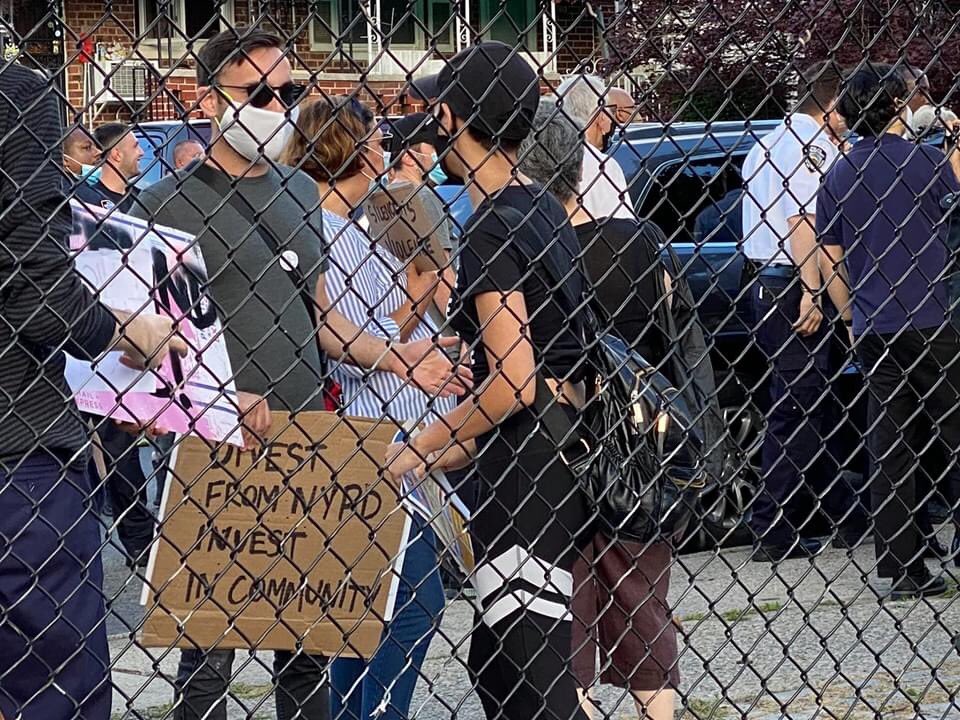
635,450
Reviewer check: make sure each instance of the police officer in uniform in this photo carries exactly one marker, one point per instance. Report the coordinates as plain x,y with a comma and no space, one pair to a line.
782,174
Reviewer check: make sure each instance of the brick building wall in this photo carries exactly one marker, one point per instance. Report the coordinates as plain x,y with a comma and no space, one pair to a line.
173,80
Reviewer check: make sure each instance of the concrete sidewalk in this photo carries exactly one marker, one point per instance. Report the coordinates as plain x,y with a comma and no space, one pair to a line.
810,640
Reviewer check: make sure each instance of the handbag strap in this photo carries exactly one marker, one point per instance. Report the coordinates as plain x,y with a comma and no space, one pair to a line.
220,185
578,310
560,430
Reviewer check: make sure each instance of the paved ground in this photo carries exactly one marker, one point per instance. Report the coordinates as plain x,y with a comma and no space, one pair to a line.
811,643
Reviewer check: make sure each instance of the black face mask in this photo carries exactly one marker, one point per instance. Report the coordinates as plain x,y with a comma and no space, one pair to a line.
442,146
605,141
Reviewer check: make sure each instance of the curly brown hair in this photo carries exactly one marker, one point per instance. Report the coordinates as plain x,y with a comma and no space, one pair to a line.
328,141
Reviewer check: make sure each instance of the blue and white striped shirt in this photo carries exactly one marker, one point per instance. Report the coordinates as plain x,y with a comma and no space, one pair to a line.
366,282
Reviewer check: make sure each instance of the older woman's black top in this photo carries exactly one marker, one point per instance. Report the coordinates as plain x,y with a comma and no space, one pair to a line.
622,259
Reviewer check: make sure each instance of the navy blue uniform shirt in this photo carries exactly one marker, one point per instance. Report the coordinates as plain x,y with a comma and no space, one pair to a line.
882,204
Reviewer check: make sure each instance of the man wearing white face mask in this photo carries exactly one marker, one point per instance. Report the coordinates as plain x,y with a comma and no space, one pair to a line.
259,226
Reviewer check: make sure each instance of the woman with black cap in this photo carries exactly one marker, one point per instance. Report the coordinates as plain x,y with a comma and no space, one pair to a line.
530,513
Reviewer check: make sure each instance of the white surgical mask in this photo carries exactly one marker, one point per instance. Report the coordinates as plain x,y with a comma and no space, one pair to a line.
374,182
382,180
436,173
251,129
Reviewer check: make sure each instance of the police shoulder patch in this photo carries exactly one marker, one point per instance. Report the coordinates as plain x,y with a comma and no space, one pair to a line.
814,157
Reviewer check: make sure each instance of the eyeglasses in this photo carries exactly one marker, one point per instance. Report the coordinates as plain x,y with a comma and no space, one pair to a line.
609,109
261,94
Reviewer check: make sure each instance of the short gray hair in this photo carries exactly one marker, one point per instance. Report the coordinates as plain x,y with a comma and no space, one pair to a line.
930,119
552,153
580,96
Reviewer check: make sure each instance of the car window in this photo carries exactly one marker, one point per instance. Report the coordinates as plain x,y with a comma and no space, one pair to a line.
158,148
697,200
198,131
151,166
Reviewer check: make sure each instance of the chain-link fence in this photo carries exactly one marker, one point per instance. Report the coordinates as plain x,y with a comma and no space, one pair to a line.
423,359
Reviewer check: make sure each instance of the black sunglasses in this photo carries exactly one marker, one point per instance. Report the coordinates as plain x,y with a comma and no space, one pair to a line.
261,94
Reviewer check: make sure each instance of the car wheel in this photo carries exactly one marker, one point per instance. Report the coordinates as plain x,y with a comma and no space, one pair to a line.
724,509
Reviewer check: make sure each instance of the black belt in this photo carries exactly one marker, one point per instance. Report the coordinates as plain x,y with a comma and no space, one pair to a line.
779,271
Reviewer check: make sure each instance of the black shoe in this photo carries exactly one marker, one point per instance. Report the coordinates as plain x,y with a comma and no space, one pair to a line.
938,512
849,539
775,552
955,547
921,585
935,549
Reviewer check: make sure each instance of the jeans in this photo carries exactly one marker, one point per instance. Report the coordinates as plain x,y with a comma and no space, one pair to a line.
203,678
913,372
388,679
54,661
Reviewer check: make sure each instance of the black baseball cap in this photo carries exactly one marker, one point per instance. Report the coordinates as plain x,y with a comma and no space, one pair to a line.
425,89
491,87
410,130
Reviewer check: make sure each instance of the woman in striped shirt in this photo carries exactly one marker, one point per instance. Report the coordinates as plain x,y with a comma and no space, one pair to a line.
340,146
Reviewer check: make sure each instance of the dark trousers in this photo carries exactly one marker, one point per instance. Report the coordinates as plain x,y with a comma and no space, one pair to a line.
530,522
54,661
162,452
795,458
909,374
521,668
127,488
204,676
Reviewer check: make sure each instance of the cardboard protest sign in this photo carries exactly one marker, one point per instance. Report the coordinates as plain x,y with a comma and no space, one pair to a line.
155,269
290,543
402,222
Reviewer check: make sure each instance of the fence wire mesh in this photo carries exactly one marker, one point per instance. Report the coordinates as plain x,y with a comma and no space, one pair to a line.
424,359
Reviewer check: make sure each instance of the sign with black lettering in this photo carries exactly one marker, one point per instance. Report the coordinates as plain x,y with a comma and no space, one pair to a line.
289,545
402,222
136,266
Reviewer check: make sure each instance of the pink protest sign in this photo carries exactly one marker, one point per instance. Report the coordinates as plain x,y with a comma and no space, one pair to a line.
138,268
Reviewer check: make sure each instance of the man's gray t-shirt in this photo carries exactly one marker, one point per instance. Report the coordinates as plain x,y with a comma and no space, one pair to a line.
270,336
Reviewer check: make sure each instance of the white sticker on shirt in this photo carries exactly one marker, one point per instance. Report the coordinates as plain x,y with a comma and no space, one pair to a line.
289,260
